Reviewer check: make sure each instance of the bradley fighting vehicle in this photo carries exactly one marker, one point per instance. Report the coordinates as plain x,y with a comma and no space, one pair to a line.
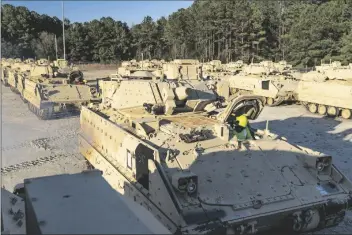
63,64
212,66
6,67
214,70
133,68
51,94
183,69
234,67
12,73
265,79
327,91
5,63
334,65
167,146
17,71
82,203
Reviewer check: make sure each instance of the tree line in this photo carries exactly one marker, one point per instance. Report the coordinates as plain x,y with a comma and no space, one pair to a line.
300,32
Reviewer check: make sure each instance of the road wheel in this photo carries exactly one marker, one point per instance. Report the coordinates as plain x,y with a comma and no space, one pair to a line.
312,108
332,111
322,109
346,113
269,101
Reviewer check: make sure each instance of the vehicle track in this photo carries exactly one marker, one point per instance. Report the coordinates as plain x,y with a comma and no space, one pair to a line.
28,164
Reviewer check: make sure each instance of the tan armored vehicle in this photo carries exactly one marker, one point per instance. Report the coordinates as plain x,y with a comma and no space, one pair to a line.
263,79
234,67
212,66
50,95
276,89
334,65
12,74
131,63
183,69
213,70
327,93
29,61
5,67
62,67
82,203
264,67
168,147
42,61
282,66
23,70
150,64
133,69
61,63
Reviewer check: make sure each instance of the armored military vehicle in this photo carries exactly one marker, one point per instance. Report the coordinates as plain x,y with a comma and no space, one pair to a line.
5,66
50,95
11,73
171,149
264,67
275,84
132,64
331,66
282,66
276,89
42,61
328,92
214,70
29,61
183,69
61,63
234,67
212,66
17,72
62,67
129,69
82,203
150,64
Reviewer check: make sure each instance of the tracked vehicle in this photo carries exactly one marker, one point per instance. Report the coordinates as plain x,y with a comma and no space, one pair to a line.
183,69
172,150
129,68
334,65
276,85
50,95
328,92
10,72
16,74
61,67
5,66
215,70
212,66
282,66
55,205
234,67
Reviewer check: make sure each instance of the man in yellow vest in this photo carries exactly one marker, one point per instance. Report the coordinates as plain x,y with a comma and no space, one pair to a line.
242,129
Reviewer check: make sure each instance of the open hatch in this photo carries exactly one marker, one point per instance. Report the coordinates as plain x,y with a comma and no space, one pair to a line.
249,105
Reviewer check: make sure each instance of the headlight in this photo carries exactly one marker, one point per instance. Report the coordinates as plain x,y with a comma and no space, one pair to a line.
185,182
191,187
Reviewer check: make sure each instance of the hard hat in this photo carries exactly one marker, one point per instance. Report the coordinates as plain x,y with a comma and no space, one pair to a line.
242,120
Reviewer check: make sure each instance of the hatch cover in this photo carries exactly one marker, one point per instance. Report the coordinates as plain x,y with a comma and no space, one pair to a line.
239,179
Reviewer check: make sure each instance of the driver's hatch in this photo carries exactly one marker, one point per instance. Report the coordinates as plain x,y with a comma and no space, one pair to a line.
249,105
